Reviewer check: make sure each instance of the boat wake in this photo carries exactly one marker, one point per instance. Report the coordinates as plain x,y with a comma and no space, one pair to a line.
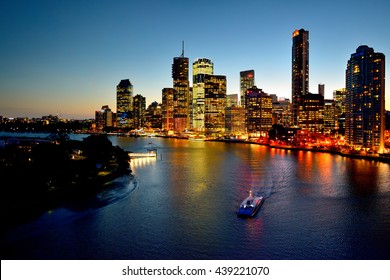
116,191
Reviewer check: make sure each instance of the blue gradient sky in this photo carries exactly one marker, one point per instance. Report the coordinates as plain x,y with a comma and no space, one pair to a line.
66,57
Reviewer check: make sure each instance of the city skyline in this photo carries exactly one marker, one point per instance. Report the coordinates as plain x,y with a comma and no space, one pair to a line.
67,58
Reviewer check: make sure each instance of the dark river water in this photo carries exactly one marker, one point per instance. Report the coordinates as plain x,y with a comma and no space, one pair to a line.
182,205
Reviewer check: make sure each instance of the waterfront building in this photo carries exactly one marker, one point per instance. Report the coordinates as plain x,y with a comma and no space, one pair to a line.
300,72
214,103
365,99
181,97
247,81
311,113
200,68
153,116
231,100
281,112
234,120
103,118
339,106
139,108
258,112
124,104
167,107
330,118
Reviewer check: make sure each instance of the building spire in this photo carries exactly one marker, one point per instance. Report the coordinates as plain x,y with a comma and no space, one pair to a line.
182,48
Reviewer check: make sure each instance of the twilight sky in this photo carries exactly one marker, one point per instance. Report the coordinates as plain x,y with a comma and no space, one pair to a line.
67,57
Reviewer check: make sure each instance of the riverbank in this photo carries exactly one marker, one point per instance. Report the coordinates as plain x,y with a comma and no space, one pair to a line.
375,157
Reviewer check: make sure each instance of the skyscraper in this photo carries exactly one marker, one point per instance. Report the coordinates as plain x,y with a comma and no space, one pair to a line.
258,112
300,71
200,68
181,97
167,109
139,108
124,104
247,80
365,99
339,106
215,103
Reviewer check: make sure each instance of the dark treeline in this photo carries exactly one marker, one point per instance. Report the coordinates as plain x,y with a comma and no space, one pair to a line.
36,177
22,126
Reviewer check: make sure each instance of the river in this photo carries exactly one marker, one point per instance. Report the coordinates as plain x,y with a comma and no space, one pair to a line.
182,205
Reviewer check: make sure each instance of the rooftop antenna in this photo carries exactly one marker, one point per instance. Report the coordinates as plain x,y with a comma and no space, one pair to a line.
182,48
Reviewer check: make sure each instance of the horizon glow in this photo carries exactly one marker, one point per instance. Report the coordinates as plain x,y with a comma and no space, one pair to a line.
67,58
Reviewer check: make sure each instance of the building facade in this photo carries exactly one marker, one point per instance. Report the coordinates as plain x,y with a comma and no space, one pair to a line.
300,72
124,104
104,118
330,118
247,81
181,97
200,68
258,112
339,106
234,120
311,113
139,107
365,99
167,108
215,103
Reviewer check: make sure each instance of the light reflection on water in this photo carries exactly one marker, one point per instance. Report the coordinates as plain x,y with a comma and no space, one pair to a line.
318,206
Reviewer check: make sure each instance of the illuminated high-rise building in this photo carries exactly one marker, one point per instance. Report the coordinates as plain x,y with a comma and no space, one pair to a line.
103,118
215,103
231,100
258,112
300,72
167,109
365,99
139,107
311,113
234,120
181,97
339,96
330,119
124,104
247,80
200,68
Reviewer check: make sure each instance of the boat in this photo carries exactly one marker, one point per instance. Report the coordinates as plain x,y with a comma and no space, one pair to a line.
250,205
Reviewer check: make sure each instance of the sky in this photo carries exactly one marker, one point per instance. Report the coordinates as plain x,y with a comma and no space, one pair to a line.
67,57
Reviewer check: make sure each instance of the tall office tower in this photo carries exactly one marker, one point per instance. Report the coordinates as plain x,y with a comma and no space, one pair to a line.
300,71
167,109
365,100
234,120
124,104
321,89
103,118
181,96
339,105
215,103
247,80
231,100
281,112
153,115
139,108
311,113
200,68
330,119
258,112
